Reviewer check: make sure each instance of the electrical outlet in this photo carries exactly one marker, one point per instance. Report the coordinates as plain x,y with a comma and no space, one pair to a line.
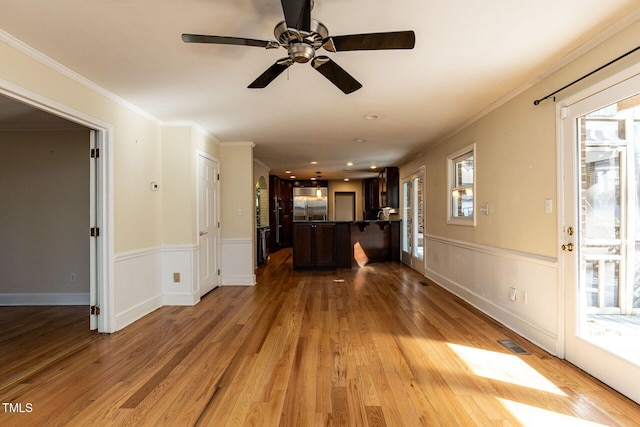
176,277
72,277
512,294
525,297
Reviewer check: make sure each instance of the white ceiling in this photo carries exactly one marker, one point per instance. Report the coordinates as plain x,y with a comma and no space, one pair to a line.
468,56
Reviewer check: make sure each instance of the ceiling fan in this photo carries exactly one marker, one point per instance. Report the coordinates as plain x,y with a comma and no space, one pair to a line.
302,36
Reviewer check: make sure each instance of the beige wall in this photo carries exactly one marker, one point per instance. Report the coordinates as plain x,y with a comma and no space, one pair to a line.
515,161
178,188
44,214
237,190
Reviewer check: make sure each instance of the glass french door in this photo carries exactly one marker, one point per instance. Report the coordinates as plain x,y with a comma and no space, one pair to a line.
413,220
600,245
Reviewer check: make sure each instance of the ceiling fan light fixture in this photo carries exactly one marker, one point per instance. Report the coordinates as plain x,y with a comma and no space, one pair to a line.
301,52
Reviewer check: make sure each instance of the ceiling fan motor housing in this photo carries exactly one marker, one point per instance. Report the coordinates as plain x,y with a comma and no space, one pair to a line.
301,45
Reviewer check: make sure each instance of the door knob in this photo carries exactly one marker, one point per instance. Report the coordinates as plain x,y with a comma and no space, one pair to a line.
568,247
202,233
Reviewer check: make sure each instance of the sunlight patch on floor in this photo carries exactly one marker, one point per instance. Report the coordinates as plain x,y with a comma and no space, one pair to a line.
532,416
504,367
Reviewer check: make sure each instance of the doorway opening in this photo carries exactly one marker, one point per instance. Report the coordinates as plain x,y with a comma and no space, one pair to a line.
345,206
47,113
52,199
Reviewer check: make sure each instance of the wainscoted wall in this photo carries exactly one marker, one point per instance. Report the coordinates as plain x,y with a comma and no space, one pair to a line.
237,262
144,281
482,276
182,259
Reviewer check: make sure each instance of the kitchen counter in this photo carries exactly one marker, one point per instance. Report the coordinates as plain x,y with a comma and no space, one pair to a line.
344,244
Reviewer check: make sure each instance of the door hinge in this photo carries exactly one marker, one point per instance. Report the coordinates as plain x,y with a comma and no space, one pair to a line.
95,232
218,224
95,310
218,177
218,272
95,153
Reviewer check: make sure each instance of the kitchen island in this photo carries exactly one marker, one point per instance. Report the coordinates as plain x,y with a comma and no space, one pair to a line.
326,245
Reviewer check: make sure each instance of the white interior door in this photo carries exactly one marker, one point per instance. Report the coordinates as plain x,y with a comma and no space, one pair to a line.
600,158
208,223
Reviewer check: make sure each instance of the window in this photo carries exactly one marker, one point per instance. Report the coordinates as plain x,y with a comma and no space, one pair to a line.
461,172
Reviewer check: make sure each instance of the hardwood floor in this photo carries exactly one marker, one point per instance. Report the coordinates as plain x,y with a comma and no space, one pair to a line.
364,347
32,338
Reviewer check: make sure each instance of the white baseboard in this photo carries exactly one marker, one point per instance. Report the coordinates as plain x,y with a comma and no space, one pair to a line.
130,315
181,298
249,280
44,299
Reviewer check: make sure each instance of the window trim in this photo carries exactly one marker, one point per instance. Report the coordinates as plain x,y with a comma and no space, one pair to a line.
451,160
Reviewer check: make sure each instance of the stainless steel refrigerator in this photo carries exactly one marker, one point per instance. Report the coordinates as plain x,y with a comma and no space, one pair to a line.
310,203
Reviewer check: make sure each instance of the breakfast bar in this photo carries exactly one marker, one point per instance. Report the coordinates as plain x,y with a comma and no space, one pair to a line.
327,245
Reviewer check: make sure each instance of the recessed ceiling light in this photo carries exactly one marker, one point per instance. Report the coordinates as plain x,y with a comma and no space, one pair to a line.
349,163
360,140
372,166
314,163
292,177
313,179
287,171
346,179
371,116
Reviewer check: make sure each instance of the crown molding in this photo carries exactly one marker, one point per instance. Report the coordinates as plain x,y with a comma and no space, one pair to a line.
41,58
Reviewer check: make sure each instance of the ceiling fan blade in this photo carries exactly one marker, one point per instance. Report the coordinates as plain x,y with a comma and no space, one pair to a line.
199,38
335,74
272,72
297,14
371,41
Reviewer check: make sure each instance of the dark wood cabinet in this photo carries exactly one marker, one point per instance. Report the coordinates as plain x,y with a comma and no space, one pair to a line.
314,245
381,192
389,180
371,194
331,245
280,212
302,246
324,245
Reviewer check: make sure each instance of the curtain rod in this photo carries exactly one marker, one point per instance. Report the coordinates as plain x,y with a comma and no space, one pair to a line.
538,101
